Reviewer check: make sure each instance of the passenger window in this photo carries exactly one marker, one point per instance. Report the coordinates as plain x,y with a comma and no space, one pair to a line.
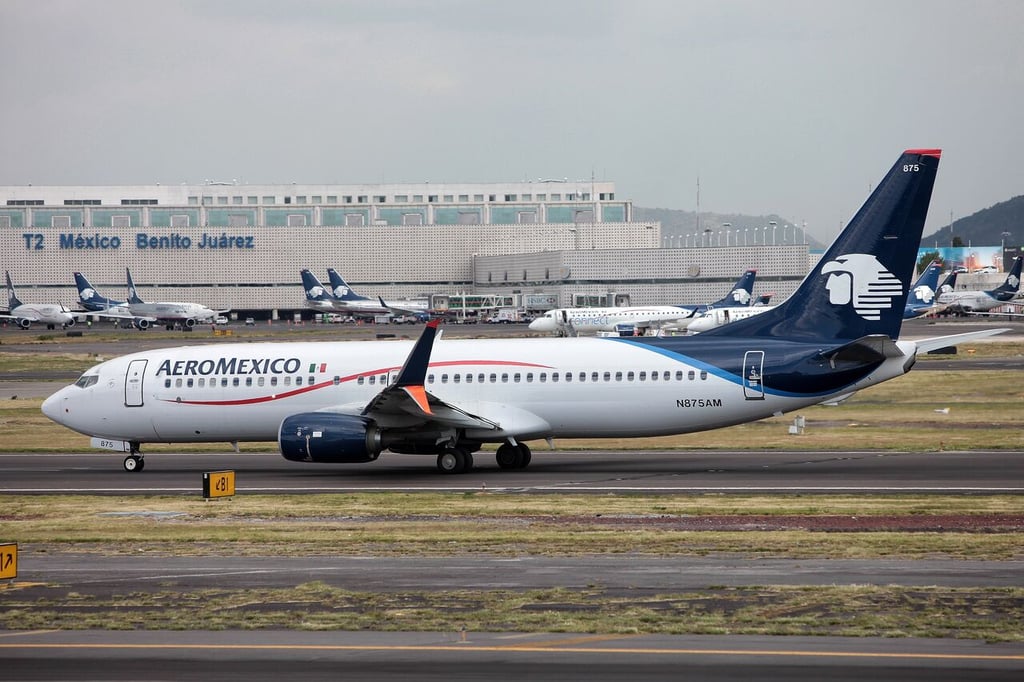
202,382
690,375
372,379
494,378
273,380
224,382
607,376
517,377
654,376
298,381
444,378
177,382
703,375
360,381
189,382
504,378
456,378
430,378
542,377
629,376
480,378
469,378
618,376
167,382
668,375
248,381
234,381
529,377
643,376
259,382
554,376
287,381
594,376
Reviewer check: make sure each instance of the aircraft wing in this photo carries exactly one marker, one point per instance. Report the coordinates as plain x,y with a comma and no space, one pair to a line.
398,308
30,318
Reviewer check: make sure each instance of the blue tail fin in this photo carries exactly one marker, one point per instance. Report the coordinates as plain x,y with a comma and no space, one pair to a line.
924,292
860,285
741,292
1009,288
12,298
133,294
315,291
340,288
90,298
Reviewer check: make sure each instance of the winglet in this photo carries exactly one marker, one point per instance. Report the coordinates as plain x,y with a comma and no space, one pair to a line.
414,371
419,396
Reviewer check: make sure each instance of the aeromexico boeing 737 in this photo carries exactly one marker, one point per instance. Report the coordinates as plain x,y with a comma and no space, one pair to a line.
25,314
142,314
347,402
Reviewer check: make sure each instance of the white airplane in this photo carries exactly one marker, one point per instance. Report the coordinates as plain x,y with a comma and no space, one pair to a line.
346,402
572,321
167,313
974,302
50,314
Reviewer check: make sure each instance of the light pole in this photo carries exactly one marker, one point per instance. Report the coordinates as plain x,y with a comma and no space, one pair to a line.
728,231
773,225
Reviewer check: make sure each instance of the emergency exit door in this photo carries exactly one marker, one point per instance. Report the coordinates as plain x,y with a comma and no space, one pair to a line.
133,383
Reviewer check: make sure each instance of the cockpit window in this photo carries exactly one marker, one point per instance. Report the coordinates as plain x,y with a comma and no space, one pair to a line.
87,380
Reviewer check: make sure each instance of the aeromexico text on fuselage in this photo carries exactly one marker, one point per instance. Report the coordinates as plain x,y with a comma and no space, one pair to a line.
236,365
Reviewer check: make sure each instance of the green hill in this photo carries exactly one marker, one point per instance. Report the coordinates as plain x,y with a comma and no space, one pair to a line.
999,224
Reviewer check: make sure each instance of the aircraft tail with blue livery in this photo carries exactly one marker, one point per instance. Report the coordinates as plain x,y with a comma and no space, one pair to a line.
341,290
923,298
90,298
859,287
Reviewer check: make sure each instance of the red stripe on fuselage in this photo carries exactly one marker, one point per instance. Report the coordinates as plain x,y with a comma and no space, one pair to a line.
346,379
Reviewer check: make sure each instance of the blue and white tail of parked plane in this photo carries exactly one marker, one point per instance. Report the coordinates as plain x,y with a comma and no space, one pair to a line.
924,294
980,302
92,300
348,402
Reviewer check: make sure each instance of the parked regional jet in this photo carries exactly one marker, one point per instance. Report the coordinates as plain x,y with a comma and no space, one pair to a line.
966,302
716,317
347,402
571,321
922,297
50,314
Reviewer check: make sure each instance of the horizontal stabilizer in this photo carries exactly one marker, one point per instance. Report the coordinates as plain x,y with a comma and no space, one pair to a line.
928,345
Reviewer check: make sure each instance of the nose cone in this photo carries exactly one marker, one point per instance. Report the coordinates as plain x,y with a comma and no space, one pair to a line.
52,406
543,324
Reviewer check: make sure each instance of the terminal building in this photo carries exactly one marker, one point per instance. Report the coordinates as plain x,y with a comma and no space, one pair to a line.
536,245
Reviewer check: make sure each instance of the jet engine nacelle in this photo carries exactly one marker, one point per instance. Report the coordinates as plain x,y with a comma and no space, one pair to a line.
142,324
24,324
330,438
190,322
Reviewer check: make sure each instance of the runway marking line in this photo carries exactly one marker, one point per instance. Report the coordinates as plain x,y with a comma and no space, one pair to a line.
525,648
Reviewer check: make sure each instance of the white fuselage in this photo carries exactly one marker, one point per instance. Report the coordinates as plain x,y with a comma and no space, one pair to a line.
531,388
607,319
969,301
716,317
41,313
172,310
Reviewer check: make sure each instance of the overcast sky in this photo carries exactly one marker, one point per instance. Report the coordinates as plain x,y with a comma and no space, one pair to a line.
789,107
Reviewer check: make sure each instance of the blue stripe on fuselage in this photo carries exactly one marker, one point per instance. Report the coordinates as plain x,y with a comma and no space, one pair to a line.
791,370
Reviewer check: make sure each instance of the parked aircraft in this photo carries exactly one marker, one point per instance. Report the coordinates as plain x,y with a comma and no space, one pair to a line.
95,303
348,402
50,314
965,302
572,321
167,313
922,297
319,298
343,292
716,317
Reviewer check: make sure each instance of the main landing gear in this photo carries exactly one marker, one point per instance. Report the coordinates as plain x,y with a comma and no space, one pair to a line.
134,461
457,460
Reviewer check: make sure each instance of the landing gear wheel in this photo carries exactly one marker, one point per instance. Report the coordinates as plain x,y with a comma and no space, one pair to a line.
134,463
507,456
454,461
513,456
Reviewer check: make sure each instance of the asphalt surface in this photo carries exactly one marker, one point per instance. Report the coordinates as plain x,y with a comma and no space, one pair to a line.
597,472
